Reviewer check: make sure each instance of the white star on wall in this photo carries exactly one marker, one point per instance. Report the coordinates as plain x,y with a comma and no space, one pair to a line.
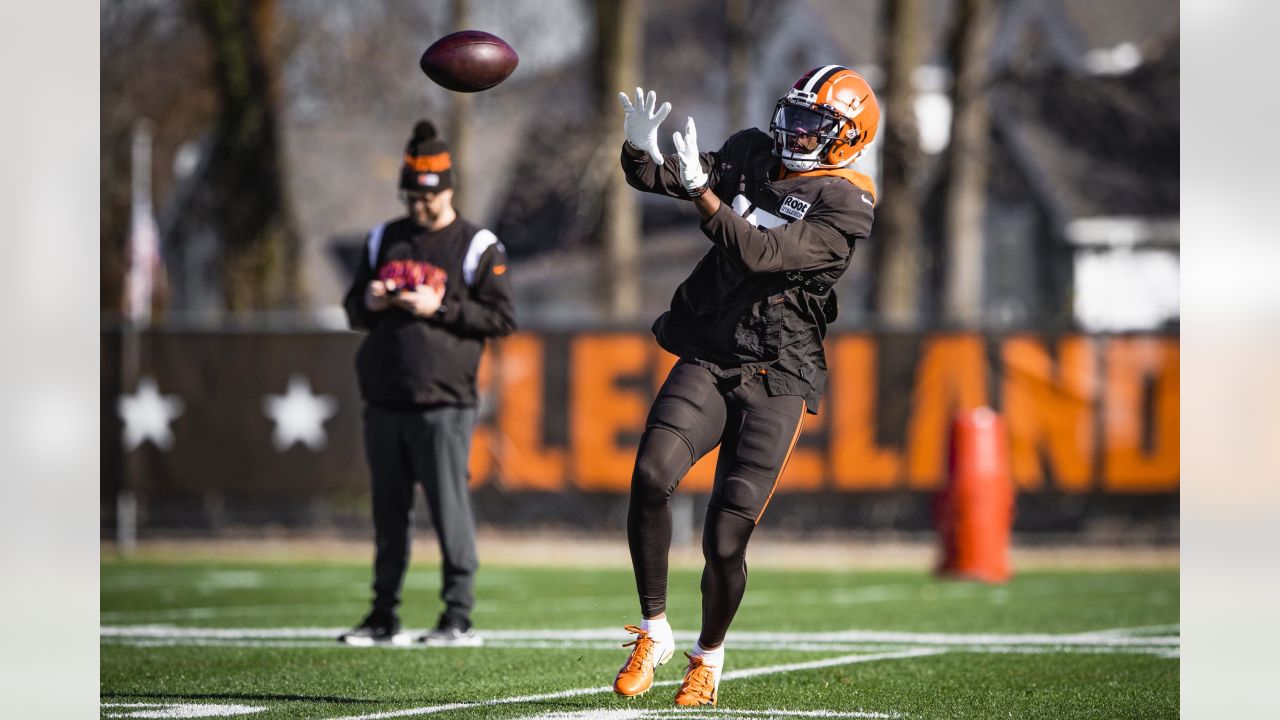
299,415
147,414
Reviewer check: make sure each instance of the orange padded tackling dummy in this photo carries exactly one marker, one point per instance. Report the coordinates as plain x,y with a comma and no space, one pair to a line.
975,511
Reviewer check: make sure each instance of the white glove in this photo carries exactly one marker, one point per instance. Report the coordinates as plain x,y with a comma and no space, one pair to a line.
692,176
642,121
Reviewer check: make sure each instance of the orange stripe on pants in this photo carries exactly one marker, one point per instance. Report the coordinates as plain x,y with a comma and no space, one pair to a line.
794,439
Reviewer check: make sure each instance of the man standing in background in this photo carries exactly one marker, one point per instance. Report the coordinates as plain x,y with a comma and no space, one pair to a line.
430,288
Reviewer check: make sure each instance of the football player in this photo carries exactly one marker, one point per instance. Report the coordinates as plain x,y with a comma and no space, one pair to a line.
782,211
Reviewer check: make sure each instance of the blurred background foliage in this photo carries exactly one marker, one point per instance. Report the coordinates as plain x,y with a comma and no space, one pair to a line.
1027,163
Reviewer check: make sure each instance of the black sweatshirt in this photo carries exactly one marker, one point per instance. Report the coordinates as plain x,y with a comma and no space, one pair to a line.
408,361
760,300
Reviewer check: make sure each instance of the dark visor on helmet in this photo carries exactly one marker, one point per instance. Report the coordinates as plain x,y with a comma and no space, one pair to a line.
805,128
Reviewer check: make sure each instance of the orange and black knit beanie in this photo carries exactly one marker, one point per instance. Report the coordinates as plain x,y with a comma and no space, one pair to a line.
427,165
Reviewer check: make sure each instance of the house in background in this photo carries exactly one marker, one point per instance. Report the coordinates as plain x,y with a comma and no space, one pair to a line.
1083,190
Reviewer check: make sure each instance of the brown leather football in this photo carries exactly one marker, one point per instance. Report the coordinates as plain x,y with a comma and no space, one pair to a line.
468,61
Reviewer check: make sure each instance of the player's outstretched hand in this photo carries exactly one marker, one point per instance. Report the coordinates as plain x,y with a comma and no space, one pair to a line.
641,121
692,176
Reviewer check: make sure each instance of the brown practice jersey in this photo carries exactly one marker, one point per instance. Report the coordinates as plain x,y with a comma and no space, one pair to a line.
760,300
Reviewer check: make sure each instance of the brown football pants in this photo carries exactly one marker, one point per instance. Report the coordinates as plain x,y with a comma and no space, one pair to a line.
694,412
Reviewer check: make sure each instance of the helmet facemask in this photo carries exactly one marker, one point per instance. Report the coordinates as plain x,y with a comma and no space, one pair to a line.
804,134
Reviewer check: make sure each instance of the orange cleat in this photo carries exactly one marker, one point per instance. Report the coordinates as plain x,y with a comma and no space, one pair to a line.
701,683
647,653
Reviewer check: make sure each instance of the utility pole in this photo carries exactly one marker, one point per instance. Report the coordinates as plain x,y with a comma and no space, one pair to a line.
143,254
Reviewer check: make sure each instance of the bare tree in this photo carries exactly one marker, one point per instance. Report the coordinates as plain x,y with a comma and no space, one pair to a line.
898,247
260,244
967,162
620,30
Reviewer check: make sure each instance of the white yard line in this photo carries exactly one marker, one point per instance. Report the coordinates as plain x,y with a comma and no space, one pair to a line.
178,710
1144,631
1108,638
728,676
1164,651
169,631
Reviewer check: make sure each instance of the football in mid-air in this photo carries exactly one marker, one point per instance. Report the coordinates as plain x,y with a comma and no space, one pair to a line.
468,61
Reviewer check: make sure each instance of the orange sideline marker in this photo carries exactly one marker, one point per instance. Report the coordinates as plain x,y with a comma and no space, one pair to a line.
975,512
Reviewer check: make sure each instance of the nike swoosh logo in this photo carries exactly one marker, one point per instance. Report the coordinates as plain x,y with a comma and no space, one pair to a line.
867,200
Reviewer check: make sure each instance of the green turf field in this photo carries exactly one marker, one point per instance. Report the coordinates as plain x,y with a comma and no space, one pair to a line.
258,639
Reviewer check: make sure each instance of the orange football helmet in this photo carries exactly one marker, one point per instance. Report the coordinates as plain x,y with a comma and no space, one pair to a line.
826,120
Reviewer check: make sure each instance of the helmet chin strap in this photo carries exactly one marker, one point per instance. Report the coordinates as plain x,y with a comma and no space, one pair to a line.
799,165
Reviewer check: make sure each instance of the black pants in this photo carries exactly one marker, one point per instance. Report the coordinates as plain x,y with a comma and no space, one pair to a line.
694,412
405,447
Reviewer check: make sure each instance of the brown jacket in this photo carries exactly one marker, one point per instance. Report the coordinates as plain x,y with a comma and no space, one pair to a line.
760,300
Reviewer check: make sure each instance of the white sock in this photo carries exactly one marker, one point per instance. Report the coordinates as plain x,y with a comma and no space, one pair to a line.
658,628
714,658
